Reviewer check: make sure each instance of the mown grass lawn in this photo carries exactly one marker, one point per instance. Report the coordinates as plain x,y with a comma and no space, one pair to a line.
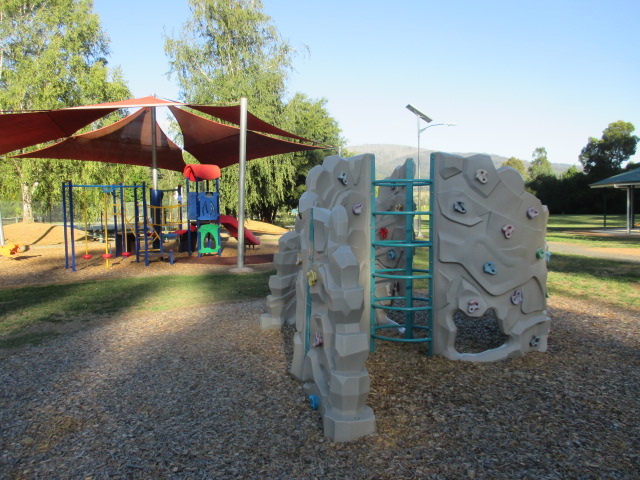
23,307
574,229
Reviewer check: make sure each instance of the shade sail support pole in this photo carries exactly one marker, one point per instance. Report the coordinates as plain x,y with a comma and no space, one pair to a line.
154,150
241,179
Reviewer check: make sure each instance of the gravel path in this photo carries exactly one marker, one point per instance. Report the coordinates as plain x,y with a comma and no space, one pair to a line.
205,394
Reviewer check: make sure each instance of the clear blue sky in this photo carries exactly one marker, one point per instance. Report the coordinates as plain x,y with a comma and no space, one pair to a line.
513,75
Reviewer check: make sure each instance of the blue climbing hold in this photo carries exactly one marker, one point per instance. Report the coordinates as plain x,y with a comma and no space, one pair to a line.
490,268
314,402
392,254
459,207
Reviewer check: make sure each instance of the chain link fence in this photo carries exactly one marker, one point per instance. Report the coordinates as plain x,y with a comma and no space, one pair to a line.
11,212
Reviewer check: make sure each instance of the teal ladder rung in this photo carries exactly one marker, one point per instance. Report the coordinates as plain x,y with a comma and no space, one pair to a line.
408,273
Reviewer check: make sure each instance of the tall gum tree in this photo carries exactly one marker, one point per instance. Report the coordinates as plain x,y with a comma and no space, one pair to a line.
229,49
602,158
52,55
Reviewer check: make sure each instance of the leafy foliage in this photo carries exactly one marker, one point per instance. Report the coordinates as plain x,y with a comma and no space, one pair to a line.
602,158
540,164
53,55
517,164
229,49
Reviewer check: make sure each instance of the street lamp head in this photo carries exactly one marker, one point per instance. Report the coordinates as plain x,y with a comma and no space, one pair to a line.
436,125
417,112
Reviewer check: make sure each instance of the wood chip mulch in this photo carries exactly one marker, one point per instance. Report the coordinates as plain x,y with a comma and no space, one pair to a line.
204,394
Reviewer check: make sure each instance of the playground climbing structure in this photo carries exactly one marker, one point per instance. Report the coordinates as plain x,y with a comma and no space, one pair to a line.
490,254
350,262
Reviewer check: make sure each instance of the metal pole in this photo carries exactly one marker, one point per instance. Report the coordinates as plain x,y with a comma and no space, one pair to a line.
154,152
241,179
629,207
1,231
419,229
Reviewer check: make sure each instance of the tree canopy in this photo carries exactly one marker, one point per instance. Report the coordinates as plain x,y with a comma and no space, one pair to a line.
53,55
517,164
540,164
602,158
230,49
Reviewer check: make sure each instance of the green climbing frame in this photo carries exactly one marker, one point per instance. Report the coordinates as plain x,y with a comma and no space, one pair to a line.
409,304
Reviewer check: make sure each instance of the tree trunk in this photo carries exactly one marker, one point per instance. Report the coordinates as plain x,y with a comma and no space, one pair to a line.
27,210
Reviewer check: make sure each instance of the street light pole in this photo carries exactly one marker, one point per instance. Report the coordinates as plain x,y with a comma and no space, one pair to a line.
421,116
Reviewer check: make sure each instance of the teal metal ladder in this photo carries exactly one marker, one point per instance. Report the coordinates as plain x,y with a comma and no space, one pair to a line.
412,304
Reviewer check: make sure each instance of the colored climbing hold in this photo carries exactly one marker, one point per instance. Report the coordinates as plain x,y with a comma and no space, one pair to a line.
508,230
532,212
392,254
547,256
357,208
459,207
540,253
517,297
343,178
490,268
314,402
473,306
312,277
482,175
384,233
318,340
398,207
535,341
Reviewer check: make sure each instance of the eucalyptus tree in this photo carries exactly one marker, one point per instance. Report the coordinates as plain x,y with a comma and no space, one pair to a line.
230,49
517,164
540,164
603,157
53,55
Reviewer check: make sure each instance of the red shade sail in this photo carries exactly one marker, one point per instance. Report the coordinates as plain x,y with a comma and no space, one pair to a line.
127,141
131,103
20,130
232,114
214,143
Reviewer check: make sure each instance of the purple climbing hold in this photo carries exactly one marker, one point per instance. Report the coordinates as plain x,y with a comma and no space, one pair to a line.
532,212
517,297
473,306
508,230
357,208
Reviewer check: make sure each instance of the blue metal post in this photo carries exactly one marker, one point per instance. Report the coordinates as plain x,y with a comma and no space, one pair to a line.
64,222
73,240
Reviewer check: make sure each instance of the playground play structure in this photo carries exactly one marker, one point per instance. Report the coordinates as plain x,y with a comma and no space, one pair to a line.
141,228
137,139
353,273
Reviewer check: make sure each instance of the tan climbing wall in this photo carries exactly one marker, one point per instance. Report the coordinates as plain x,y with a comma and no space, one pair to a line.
489,254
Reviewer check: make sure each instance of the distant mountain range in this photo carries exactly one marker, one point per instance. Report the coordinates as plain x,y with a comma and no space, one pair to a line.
389,157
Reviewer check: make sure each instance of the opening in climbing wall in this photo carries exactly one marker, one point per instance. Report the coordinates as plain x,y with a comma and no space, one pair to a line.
478,334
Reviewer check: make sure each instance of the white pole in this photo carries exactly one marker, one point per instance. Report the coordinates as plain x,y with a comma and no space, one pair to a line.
241,180
154,150
1,232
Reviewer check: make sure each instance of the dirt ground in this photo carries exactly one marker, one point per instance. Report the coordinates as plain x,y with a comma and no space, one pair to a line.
43,260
